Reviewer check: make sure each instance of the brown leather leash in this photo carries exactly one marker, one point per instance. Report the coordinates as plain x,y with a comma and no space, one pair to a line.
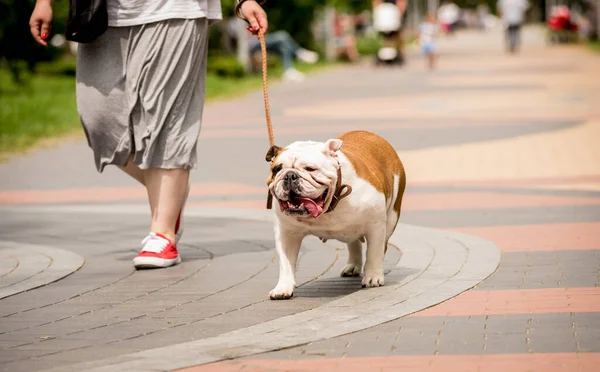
263,49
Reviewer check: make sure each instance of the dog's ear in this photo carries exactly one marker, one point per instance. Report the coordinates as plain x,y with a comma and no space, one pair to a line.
273,152
332,146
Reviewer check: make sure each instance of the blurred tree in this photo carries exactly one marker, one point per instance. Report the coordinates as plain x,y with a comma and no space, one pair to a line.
354,6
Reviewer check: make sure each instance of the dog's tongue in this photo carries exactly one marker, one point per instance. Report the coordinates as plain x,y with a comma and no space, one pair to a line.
313,208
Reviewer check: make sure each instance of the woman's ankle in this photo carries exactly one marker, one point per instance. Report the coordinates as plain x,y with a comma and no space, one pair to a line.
166,233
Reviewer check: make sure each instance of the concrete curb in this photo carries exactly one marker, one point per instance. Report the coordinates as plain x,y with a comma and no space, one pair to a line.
34,266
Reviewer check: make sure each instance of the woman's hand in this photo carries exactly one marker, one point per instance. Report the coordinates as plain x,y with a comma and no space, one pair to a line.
41,21
255,15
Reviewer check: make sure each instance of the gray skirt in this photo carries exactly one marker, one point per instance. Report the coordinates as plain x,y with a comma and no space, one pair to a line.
140,92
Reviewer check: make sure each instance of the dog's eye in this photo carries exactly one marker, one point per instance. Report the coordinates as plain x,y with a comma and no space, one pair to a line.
276,169
310,169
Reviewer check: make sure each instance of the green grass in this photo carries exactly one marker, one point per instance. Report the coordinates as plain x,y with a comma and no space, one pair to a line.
45,107
595,46
42,108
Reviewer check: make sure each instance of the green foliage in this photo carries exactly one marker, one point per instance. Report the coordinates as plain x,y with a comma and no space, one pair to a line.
59,67
295,17
42,107
226,67
354,6
471,4
368,45
228,7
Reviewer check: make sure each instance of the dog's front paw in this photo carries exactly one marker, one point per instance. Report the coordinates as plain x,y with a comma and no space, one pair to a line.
282,292
372,279
351,270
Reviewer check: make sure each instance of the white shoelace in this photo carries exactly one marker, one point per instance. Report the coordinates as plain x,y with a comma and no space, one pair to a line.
154,243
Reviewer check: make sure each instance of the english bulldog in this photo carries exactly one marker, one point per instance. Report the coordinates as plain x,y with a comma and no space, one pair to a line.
348,188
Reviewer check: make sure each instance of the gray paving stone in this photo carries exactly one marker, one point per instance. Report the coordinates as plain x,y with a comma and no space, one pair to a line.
507,343
501,324
553,269
587,320
505,217
37,265
494,334
7,356
588,339
354,311
48,359
7,265
167,306
63,344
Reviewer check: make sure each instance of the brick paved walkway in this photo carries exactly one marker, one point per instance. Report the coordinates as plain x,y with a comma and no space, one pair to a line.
499,147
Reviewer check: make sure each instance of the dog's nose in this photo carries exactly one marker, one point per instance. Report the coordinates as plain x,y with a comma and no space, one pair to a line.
290,181
290,177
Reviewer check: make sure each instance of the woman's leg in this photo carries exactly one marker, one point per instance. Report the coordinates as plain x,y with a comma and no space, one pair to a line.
283,40
287,58
431,60
134,171
278,43
161,223
166,193
351,51
168,114
279,46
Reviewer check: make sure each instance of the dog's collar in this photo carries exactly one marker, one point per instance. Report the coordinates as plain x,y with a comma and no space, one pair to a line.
340,192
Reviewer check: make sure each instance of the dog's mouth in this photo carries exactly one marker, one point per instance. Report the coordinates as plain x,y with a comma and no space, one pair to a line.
302,206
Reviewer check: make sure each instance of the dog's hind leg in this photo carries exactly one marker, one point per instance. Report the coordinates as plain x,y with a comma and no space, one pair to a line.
393,212
355,260
287,245
376,241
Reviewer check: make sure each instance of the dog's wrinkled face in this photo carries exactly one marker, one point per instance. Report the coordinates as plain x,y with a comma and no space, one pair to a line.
303,176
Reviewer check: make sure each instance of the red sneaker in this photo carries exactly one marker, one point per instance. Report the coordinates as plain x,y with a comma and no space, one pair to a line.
157,251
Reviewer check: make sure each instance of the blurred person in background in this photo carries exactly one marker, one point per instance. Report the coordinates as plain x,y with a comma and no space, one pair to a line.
483,12
448,15
428,32
361,23
344,30
397,36
281,43
512,13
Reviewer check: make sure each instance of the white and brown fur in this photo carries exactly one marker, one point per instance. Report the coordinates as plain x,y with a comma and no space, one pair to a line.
370,213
